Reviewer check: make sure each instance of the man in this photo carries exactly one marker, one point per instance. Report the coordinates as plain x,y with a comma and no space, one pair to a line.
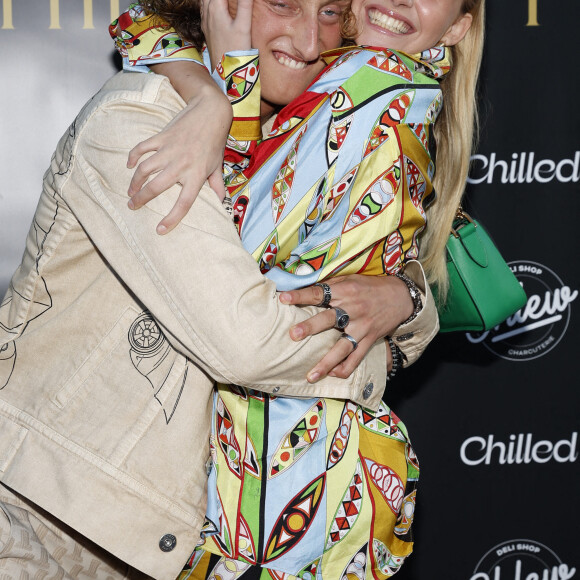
111,338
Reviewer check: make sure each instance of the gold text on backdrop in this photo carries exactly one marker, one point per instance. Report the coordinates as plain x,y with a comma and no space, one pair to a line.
532,13
8,21
7,14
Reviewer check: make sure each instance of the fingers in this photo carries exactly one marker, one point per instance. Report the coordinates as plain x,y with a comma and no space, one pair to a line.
216,182
309,296
182,206
347,366
244,13
162,182
314,325
204,6
335,356
139,150
144,171
313,295
226,27
218,10
343,349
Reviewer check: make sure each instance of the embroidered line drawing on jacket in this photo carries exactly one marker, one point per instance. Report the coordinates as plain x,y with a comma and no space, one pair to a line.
149,355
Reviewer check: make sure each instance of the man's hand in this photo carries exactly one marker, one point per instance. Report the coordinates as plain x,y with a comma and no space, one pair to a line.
376,305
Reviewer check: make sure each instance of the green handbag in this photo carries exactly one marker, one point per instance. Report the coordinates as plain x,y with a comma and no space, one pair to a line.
483,291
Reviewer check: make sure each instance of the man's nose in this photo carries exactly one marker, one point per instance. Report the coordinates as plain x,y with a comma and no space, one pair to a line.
306,38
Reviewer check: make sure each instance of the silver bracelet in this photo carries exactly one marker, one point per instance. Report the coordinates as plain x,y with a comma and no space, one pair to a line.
398,358
415,295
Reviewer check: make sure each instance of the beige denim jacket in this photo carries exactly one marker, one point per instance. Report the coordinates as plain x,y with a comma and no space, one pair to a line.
111,338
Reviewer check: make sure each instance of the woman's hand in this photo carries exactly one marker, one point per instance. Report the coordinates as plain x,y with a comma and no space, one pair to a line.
223,31
189,150
376,305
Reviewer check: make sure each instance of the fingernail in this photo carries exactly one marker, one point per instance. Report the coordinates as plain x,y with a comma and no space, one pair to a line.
296,332
161,229
285,298
313,377
131,204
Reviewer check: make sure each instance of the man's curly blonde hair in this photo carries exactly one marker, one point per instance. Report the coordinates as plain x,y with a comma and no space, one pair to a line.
182,15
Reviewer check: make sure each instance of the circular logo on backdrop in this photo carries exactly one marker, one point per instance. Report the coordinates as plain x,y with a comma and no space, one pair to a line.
520,559
539,326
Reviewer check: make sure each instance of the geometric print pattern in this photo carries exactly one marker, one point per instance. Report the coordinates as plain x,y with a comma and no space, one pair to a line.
49,549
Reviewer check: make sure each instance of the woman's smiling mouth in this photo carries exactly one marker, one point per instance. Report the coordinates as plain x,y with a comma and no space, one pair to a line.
387,22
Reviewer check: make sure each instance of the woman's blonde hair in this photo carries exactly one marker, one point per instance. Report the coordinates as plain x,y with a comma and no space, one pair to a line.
455,134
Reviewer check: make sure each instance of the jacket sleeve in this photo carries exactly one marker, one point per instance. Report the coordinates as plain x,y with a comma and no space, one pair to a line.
198,282
142,40
414,337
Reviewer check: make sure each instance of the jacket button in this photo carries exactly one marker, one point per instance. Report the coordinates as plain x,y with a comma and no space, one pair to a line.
275,389
367,391
167,542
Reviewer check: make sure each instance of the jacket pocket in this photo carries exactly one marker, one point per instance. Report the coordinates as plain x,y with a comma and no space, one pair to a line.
109,341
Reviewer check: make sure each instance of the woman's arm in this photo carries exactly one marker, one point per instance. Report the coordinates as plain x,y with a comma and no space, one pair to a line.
189,150
176,153
142,39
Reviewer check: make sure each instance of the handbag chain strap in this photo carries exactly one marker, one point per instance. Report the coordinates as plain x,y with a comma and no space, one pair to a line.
461,215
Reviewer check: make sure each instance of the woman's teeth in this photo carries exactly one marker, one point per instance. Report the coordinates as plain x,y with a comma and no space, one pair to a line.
388,22
291,63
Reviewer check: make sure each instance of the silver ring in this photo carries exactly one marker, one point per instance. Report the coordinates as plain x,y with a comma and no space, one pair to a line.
342,319
351,339
326,294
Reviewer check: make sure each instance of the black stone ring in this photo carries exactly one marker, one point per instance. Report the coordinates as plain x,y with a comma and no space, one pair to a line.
326,294
351,339
342,319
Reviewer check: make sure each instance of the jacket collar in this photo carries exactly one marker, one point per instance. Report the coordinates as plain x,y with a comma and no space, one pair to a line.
435,62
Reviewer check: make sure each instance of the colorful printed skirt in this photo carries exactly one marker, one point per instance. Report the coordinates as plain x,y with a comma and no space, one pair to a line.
305,488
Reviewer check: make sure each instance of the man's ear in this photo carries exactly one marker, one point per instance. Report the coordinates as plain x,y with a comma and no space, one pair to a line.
457,30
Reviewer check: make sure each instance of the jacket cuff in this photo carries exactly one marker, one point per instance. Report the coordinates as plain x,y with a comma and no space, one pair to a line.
414,337
368,390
